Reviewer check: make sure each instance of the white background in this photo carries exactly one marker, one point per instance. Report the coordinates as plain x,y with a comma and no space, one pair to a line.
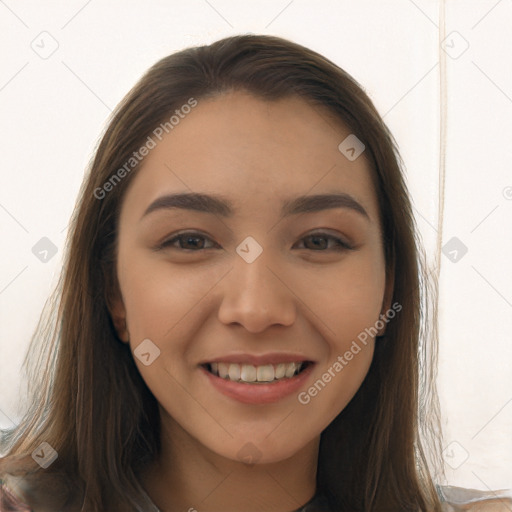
450,112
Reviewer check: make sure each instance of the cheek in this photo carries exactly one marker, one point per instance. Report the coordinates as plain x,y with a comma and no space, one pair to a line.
350,347
159,296
348,304
347,298
165,304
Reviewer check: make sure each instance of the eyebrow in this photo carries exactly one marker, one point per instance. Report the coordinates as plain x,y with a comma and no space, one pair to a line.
219,205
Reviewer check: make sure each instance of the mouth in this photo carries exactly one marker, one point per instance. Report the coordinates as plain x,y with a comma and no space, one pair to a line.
257,384
253,374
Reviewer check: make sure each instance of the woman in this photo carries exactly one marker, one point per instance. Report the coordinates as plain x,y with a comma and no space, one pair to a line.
239,317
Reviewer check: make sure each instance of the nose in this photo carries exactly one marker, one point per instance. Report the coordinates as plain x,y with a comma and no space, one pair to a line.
256,296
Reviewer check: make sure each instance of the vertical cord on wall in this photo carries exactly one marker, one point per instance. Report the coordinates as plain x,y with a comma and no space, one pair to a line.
430,409
442,130
440,470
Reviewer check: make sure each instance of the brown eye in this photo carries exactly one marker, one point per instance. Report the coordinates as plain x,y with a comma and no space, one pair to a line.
320,242
187,242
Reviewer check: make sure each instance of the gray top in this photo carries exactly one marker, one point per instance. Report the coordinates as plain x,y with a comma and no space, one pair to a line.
454,499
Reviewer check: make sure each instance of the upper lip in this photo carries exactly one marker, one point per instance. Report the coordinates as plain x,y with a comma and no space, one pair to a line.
260,360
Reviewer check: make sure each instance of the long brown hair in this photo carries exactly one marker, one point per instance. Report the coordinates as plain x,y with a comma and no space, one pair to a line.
88,400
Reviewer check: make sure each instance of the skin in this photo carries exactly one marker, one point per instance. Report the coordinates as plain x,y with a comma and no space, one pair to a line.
197,306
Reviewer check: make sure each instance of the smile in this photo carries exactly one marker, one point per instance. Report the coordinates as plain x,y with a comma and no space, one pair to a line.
257,384
251,374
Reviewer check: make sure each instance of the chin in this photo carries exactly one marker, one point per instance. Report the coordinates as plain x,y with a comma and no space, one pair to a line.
253,451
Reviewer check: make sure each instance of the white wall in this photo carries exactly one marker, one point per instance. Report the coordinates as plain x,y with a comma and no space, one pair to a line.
54,109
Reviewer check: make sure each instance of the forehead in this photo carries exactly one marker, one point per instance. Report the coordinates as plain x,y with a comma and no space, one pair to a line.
253,151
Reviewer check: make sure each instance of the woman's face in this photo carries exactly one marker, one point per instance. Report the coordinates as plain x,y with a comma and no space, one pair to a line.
256,283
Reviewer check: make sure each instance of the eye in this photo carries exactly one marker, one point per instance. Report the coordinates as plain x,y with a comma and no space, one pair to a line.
194,242
190,240
320,243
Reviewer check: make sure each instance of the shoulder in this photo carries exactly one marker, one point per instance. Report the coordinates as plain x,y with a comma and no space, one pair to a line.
26,494
490,505
10,501
458,499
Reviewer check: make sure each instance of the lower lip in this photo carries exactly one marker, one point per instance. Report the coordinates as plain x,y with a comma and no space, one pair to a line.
259,393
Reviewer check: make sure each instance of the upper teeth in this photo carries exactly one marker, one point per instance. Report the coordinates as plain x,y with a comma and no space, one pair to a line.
251,373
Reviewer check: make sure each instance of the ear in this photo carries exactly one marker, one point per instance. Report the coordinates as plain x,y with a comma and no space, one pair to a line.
118,314
114,303
117,311
388,296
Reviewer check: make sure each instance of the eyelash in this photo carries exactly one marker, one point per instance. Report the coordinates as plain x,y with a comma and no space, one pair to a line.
341,244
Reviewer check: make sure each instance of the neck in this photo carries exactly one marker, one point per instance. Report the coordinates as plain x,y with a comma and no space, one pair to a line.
189,477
